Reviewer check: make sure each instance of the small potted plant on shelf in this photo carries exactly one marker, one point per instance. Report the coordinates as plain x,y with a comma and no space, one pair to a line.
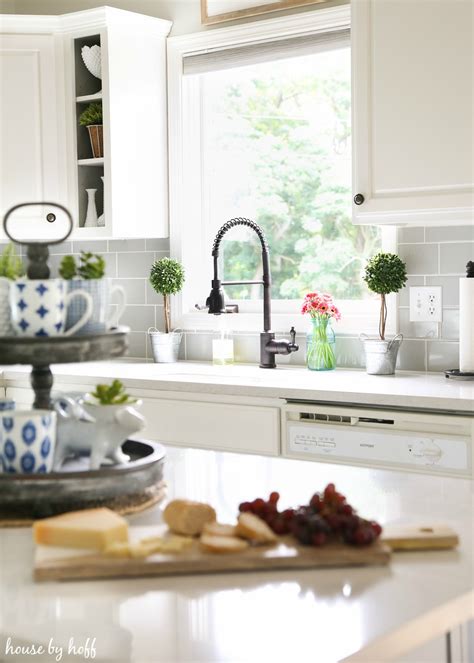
88,273
384,273
11,268
91,118
320,341
167,278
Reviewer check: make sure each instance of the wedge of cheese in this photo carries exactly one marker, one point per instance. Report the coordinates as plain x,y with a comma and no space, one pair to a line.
95,529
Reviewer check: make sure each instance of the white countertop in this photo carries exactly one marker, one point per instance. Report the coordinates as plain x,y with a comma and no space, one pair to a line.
317,615
404,389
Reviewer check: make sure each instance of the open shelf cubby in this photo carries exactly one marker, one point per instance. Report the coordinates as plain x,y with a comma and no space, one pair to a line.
90,170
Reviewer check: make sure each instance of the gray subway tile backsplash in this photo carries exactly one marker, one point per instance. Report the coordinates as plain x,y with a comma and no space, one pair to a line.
411,235
96,246
122,245
411,356
420,258
442,355
404,295
454,256
134,264
139,318
449,234
157,245
450,285
129,262
134,290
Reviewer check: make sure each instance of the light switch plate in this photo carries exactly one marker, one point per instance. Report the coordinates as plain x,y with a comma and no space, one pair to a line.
426,304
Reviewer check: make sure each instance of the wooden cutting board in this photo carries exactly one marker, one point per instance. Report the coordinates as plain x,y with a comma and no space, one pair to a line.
419,537
72,564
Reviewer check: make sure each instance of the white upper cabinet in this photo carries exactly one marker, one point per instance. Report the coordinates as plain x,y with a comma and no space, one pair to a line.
413,156
30,163
47,155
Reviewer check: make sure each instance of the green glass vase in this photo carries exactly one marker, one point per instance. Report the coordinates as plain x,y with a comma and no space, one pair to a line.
320,345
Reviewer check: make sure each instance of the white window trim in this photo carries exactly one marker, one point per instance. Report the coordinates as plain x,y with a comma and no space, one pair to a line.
183,241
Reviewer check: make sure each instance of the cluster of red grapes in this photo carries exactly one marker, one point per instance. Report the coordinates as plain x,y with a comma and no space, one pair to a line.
327,517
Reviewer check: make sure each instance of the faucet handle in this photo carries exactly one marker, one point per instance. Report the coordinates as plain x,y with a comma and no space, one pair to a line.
292,347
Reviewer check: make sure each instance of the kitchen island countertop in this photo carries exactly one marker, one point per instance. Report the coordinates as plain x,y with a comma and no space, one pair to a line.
325,615
404,389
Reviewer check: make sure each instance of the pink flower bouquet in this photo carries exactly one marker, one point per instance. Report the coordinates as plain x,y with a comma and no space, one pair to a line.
321,340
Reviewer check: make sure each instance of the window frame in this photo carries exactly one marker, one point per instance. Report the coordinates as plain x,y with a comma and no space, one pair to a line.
184,108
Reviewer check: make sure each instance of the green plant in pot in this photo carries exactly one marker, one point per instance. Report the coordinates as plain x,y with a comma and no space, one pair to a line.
166,278
11,268
91,118
87,272
385,273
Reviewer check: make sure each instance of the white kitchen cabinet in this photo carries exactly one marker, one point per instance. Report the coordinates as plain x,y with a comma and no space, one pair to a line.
221,423
412,65
53,87
31,162
223,426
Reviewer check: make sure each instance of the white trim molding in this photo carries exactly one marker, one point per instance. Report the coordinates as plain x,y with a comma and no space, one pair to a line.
180,102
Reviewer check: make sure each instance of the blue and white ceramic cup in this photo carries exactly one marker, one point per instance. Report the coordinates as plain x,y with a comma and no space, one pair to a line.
6,404
103,316
39,307
28,439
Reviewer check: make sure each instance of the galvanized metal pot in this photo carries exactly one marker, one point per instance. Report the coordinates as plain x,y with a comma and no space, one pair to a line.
381,356
165,347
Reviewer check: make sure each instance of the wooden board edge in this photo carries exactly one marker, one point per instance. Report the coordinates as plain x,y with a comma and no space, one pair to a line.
442,543
74,569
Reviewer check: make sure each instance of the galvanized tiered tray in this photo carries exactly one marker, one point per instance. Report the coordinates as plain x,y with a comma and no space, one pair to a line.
125,488
40,353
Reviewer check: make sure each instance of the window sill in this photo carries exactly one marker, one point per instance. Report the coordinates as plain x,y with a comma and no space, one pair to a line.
201,321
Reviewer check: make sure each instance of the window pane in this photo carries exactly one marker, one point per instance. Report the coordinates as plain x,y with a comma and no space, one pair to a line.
276,149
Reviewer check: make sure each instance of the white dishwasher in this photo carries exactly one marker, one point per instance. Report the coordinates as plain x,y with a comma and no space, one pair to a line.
391,439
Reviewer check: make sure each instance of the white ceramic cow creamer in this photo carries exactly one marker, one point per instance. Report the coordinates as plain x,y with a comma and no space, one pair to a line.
95,430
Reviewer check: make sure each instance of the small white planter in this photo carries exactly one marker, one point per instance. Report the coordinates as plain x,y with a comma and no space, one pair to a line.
381,356
165,347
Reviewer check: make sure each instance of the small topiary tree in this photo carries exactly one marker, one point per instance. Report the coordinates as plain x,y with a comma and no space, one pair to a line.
167,278
385,273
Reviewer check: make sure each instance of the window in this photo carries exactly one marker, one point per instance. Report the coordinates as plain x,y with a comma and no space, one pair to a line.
266,133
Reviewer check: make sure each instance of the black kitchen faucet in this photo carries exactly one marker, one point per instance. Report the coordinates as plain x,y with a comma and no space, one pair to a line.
269,346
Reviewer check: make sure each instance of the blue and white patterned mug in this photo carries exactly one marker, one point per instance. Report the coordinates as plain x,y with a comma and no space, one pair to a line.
28,439
39,307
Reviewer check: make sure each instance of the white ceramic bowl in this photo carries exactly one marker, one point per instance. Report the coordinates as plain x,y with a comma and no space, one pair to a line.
92,59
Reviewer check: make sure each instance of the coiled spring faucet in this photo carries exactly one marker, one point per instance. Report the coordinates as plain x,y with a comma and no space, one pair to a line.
269,346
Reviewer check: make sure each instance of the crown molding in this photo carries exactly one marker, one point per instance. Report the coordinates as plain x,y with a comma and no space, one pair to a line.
84,21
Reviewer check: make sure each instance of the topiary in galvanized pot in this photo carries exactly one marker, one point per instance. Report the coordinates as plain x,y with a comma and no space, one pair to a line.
384,273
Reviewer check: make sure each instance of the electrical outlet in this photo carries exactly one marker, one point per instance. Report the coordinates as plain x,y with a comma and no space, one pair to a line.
426,304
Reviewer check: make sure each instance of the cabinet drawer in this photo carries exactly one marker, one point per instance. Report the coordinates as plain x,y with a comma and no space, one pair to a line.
240,428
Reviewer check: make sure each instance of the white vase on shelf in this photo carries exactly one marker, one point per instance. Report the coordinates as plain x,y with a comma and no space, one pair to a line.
91,216
101,219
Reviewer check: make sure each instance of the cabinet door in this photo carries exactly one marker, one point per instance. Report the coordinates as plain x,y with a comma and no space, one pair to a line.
412,111
218,426
29,155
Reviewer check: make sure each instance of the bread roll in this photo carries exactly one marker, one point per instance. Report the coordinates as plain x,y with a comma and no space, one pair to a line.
219,529
252,527
222,544
187,517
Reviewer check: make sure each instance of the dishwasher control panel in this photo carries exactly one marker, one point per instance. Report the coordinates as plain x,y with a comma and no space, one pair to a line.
437,444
